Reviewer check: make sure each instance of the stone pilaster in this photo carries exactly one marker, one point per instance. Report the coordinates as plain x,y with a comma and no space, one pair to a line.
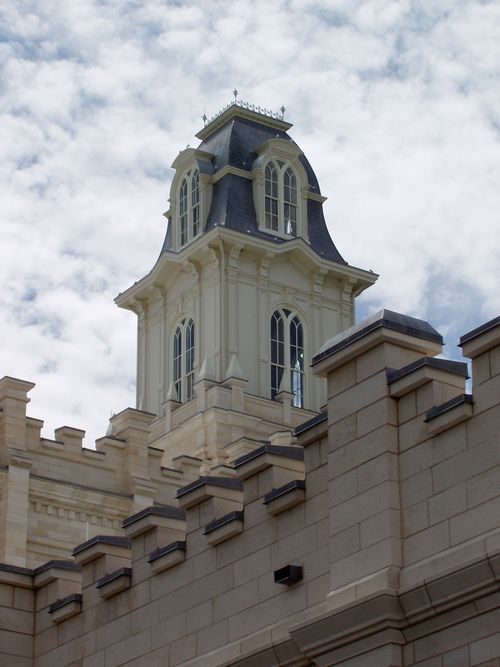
364,496
133,427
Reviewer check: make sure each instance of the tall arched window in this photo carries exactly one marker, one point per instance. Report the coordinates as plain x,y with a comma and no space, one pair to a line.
280,198
183,211
287,353
272,197
183,360
189,208
195,203
290,202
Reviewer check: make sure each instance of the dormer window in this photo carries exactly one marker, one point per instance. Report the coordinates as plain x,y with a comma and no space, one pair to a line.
280,198
190,196
280,190
189,207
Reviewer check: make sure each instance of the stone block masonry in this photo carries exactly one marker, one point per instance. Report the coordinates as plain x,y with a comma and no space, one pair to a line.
386,507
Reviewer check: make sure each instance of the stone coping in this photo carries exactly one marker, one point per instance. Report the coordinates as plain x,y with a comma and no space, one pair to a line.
73,429
282,490
155,510
162,551
218,523
310,423
62,602
188,457
457,367
108,578
59,564
90,450
136,411
449,405
491,324
388,319
16,569
278,450
225,482
11,378
111,437
112,540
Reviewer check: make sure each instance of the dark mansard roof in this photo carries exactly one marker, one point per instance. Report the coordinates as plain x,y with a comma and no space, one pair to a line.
234,142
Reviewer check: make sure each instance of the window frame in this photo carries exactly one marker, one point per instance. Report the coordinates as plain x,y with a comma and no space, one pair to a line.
183,359
189,219
279,198
284,155
282,353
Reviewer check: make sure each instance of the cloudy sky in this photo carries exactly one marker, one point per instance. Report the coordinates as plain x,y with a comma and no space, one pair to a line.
395,103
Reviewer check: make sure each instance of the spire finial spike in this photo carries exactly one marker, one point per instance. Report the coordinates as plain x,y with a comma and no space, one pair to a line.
282,109
204,117
235,93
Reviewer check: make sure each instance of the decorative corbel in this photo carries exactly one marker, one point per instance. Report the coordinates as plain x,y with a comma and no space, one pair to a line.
190,267
139,309
347,289
265,263
318,280
234,254
156,293
212,256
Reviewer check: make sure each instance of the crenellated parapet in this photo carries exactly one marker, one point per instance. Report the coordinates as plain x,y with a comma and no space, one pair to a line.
369,537
55,493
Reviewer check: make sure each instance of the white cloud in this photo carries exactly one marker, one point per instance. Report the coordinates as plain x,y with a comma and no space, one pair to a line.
394,103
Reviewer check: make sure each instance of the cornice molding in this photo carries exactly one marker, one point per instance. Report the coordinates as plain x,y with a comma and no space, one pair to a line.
399,617
197,250
228,169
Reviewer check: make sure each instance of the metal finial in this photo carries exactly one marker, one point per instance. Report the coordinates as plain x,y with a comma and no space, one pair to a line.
282,109
235,93
204,117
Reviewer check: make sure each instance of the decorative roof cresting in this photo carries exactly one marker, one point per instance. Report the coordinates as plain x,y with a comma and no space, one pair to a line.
278,115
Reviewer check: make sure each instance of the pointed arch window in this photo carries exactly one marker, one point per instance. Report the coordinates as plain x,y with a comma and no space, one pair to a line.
272,201
281,200
287,354
183,360
183,212
195,203
189,207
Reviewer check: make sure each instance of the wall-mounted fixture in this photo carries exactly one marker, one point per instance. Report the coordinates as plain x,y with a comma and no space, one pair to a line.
289,574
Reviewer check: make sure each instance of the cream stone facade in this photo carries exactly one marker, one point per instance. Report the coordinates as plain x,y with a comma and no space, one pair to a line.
253,510
228,279
372,539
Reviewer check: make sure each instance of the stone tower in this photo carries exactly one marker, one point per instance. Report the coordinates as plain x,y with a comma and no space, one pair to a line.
247,286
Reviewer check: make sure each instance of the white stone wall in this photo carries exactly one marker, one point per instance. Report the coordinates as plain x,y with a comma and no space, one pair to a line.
230,287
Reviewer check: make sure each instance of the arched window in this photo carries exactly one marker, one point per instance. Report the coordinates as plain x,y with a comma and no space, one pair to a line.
280,198
287,353
189,209
195,203
290,202
183,360
272,197
183,212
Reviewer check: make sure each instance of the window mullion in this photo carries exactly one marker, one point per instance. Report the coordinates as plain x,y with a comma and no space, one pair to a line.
183,362
281,207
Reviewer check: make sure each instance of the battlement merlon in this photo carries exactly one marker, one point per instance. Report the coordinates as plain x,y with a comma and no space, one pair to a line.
13,401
